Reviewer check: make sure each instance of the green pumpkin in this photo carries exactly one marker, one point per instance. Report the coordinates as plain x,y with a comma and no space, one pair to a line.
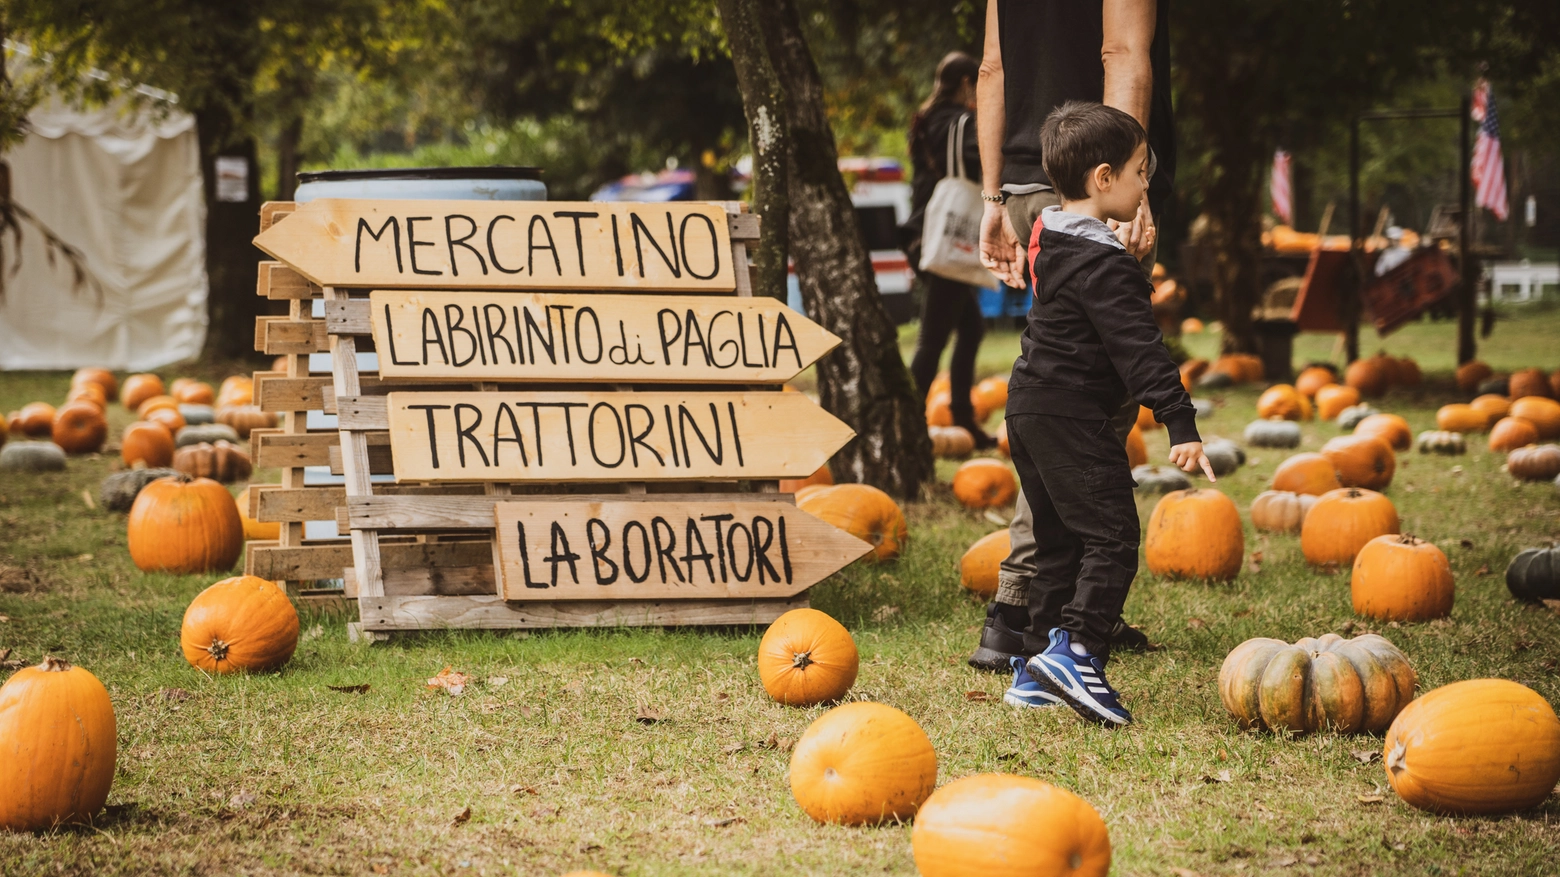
1275,433
1160,479
119,490
210,433
32,457
1534,575
1440,441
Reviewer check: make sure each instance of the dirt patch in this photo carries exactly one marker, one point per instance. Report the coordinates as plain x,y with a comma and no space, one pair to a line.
20,580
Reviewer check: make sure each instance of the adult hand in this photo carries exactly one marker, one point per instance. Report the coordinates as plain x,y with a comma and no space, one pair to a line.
1190,456
1000,249
1139,235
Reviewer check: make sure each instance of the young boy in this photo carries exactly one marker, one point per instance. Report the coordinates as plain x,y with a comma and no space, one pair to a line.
1091,340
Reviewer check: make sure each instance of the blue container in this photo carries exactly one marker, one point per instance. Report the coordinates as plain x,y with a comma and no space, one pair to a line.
425,184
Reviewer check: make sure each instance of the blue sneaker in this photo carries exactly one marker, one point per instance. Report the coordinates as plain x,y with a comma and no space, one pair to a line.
1079,679
1025,691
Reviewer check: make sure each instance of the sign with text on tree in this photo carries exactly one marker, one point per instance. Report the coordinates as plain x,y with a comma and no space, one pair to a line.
609,436
495,336
603,549
671,247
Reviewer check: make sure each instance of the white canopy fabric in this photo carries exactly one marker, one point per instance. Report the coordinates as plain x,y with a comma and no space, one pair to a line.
125,189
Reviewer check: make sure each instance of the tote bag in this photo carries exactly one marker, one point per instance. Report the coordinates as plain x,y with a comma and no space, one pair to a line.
950,242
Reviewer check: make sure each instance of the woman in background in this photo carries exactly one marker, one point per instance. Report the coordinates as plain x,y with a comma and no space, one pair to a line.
949,306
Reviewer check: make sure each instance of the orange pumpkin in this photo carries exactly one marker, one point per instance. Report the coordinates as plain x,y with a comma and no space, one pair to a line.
1368,376
863,511
863,763
1492,406
236,390
241,623
1192,326
1191,370
79,428
985,826
139,388
1306,473
806,657
5,430
223,461
1145,419
13,423
1478,746
195,393
982,563
88,392
1528,382
1408,373
1536,463
942,383
147,443
1471,374
792,485
1342,522
186,525
1318,683
1401,578
254,529
988,396
1137,449
1361,460
985,483
170,419
1280,511
1313,378
1543,413
58,744
1195,534
37,420
1458,417
1332,399
1554,383
102,377
1002,440
245,418
1391,428
1281,401
1511,433
939,410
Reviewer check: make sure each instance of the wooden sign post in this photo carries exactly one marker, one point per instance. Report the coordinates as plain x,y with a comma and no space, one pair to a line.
482,315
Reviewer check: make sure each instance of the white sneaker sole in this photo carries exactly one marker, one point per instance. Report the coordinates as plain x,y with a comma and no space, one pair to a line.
1075,696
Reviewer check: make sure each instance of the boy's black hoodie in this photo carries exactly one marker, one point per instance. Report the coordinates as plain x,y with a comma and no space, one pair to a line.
1092,338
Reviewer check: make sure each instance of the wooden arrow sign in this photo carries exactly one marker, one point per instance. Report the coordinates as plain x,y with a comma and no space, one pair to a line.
683,246
648,550
497,336
609,436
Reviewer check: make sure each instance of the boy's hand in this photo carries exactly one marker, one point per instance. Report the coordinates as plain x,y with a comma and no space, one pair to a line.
1137,236
1000,249
1189,456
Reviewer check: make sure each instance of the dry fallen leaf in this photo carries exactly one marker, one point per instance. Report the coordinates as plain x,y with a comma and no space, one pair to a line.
1483,570
723,822
1184,872
1370,799
519,789
1347,628
733,748
778,743
361,688
884,613
241,800
315,632
977,696
1365,756
86,497
647,716
175,694
497,681
462,817
452,683
1286,861
1554,605
1222,776
1196,624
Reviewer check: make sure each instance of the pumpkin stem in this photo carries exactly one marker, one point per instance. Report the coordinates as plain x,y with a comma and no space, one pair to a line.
52,664
1409,539
801,660
218,650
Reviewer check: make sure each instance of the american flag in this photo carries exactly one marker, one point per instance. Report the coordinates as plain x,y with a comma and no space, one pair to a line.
1489,168
1283,201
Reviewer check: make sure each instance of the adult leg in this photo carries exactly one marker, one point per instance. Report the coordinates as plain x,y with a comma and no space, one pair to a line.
970,327
939,310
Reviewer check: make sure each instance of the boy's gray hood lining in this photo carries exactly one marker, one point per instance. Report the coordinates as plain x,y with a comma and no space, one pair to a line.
1056,219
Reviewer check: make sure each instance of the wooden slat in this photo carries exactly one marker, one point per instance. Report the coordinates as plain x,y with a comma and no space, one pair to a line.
378,460
276,281
363,412
269,560
295,504
278,335
434,613
436,512
744,226
348,317
272,212
275,392
274,449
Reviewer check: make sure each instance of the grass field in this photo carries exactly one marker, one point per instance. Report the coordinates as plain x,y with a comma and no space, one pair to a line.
544,765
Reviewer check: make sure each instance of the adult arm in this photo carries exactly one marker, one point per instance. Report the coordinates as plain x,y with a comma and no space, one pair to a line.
1000,249
1128,27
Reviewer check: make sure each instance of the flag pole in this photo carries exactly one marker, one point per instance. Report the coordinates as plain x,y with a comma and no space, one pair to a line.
1467,306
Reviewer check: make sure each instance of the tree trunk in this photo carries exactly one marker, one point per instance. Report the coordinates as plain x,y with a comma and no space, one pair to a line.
1233,206
231,257
769,136
864,381
287,159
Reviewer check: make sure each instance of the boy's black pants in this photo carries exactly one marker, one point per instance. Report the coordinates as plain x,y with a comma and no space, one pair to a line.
1074,473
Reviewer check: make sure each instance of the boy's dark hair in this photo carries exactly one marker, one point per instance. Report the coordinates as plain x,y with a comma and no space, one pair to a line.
1079,136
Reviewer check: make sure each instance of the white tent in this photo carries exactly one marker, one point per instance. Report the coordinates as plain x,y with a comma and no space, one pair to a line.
124,188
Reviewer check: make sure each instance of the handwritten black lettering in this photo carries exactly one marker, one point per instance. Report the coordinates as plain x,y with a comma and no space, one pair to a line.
395,239
433,433
673,262
636,440
412,243
492,251
455,323
579,346
598,553
454,242
390,335
464,434
560,538
665,551
503,413
579,239
531,246
714,245
628,557
590,431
